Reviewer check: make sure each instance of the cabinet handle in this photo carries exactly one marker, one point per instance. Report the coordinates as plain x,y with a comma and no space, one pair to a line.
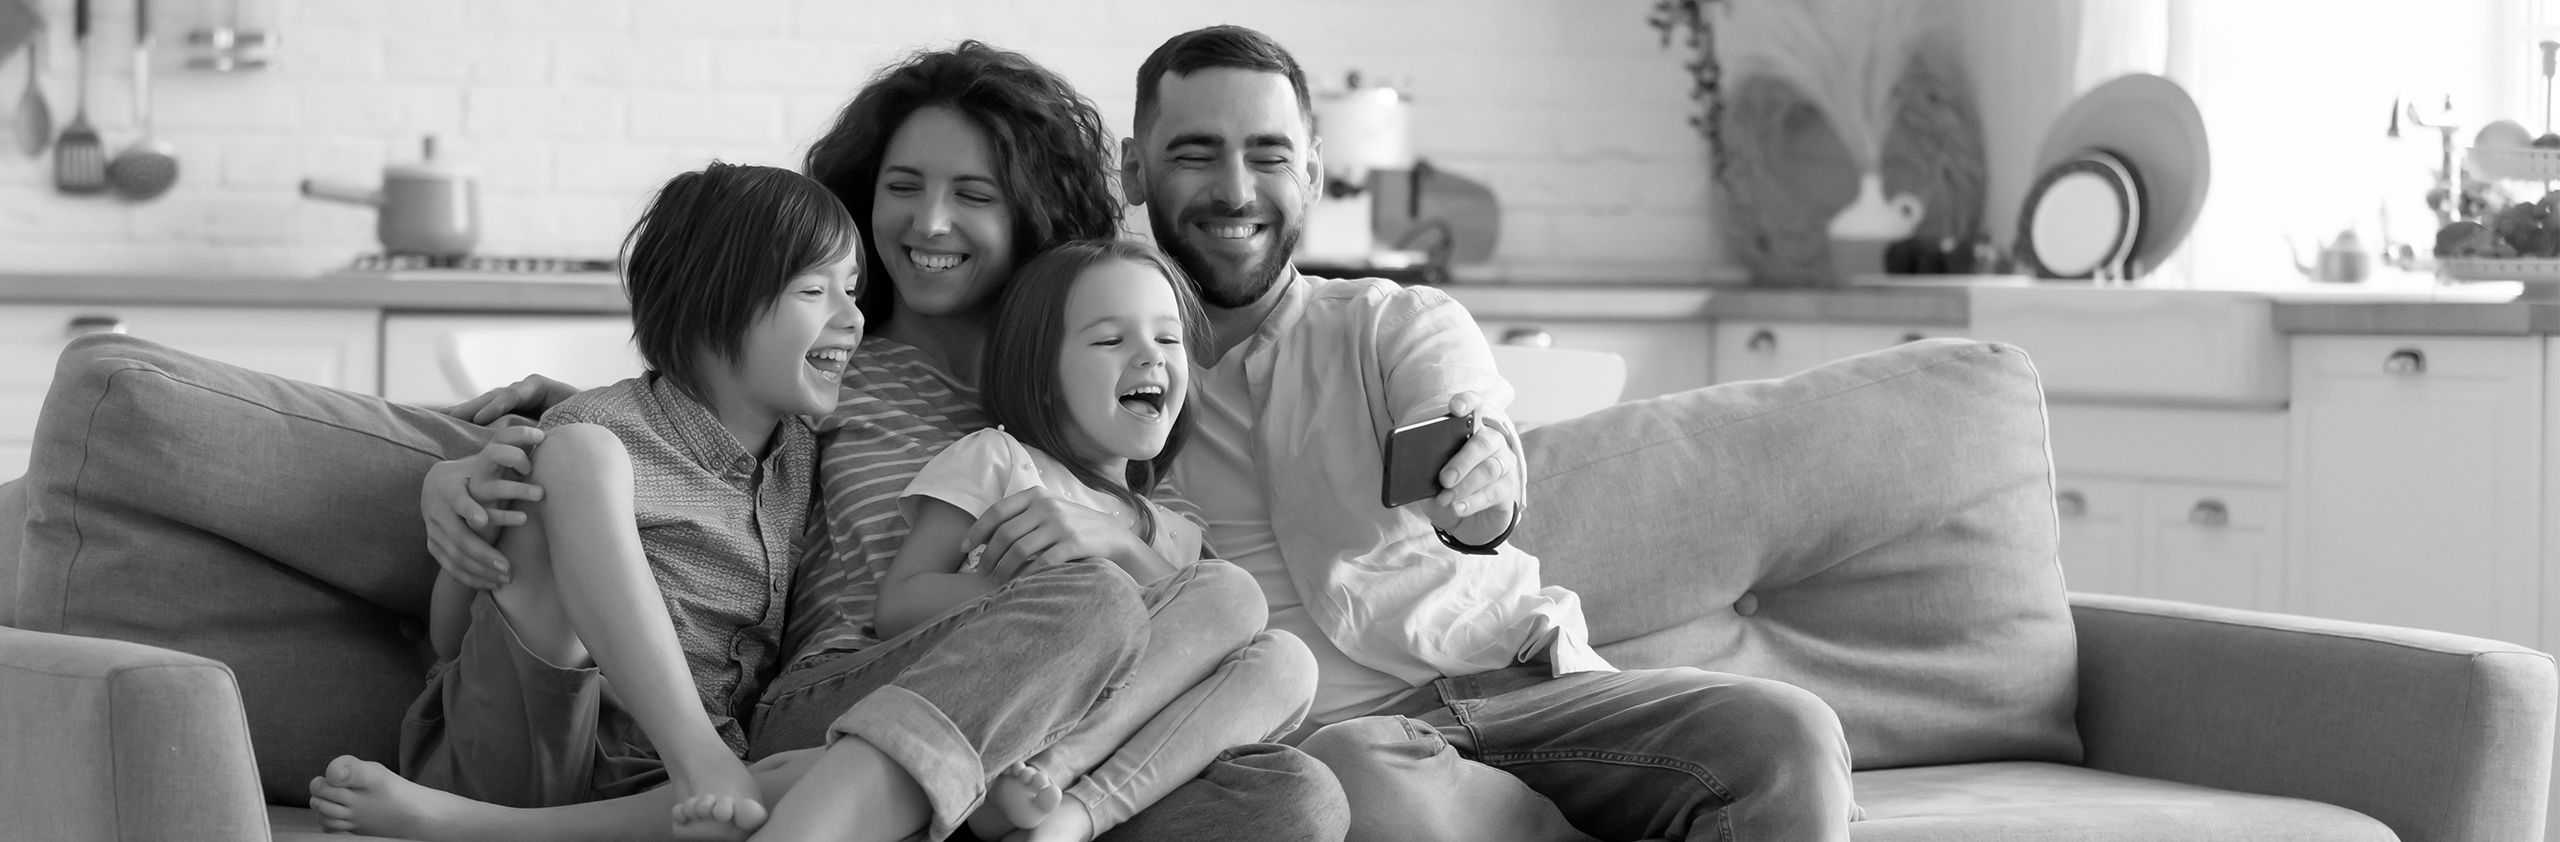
1913,336
1533,336
2405,361
2070,503
1762,341
2209,512
84,325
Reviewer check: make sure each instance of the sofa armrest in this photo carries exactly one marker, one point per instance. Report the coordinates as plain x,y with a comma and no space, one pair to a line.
2440,736
114,740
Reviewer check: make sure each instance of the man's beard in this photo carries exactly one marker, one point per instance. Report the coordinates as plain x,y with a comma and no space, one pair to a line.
1255,278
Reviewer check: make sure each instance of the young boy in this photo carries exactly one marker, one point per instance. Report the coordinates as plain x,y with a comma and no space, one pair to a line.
649,581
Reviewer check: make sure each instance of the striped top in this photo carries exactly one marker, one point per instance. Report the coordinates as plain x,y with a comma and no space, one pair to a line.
896,410
718,527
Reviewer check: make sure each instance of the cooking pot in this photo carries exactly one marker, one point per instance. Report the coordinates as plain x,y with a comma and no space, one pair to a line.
430,208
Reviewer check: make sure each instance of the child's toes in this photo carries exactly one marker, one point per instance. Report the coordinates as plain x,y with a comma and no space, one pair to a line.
749,816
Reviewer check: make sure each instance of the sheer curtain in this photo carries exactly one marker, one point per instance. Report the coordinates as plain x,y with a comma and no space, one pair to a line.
2297,97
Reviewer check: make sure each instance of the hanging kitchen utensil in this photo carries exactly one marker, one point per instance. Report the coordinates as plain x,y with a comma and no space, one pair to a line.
34,120
145,169
79,159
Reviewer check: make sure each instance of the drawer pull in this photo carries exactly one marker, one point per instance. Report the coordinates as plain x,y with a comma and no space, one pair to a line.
2210,512
2071,503
1531,336
1762,341
88,324
2405,361
1913,336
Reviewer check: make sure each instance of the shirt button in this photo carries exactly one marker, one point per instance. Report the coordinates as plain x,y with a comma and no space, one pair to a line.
1748,605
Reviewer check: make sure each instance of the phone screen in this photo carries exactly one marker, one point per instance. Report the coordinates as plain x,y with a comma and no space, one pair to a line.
1415,454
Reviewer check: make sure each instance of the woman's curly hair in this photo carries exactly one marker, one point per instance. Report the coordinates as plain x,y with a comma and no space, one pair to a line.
1053,156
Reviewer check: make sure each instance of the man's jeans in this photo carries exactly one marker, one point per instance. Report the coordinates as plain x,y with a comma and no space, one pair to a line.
1643,754
998,680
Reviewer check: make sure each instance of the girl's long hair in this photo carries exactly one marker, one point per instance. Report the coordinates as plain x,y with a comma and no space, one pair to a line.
1018,378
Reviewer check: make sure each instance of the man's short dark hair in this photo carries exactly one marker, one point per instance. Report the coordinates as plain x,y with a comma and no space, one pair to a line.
1207,48
712,252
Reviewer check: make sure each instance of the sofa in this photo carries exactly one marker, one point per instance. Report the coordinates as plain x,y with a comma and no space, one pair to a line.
210,582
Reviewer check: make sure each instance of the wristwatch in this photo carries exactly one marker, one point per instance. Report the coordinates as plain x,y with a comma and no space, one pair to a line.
1488,547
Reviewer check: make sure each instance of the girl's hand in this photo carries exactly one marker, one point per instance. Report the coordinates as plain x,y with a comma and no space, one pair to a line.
1481,483
460,502
528,397
1036,528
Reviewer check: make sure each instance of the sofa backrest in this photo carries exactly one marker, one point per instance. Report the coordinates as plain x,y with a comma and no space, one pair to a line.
266,523
1880,531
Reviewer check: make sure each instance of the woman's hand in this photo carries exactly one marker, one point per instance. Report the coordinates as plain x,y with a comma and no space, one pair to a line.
461,504
1481,484
1036,528
528,397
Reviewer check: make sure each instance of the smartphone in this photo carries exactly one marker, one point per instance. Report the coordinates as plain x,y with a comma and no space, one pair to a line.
1415,454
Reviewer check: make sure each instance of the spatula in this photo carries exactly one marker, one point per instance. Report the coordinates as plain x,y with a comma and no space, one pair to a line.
79,158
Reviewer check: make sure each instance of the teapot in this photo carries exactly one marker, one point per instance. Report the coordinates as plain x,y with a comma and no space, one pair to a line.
429,208
2341,260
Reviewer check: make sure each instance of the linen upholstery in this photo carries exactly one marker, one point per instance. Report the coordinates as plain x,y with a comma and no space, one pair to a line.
2440,736
268,524
1879,531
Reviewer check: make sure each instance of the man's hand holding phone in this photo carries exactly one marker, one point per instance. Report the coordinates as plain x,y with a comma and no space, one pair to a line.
1477,487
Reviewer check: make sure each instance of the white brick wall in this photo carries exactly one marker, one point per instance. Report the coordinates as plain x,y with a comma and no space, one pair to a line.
572,110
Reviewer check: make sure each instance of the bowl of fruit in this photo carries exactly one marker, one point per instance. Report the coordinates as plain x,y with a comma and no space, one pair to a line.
2520,242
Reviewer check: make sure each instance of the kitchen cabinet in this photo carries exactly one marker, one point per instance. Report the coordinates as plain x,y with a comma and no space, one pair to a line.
1757,350
2417,477
1662,357
2171,502
2101,541
2213,544
421,363
331,347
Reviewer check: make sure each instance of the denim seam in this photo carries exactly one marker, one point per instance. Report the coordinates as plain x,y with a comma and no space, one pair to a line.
1704,776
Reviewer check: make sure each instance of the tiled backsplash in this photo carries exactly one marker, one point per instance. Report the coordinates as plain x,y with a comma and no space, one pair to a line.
572,110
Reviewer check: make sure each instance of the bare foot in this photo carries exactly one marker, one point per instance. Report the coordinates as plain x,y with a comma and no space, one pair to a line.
1071,822
361,796
721,807
1024,794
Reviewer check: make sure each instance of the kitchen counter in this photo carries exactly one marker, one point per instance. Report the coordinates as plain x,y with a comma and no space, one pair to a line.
407,295
2314,310
2511,318
1930,306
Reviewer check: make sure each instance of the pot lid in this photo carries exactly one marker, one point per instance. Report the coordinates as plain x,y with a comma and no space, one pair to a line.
429,167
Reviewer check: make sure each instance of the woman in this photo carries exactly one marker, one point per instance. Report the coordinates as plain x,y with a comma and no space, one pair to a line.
957,164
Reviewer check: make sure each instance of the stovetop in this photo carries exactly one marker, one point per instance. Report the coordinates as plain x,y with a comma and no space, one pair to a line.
480,267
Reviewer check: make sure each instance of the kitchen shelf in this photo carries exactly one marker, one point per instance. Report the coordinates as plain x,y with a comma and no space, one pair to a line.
2517,163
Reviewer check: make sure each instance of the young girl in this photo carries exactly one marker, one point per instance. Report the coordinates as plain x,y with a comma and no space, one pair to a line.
658,558
1086,377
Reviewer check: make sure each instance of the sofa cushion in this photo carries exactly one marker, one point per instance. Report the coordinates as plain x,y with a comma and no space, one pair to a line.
13,538
265,523
2035,802
1879,531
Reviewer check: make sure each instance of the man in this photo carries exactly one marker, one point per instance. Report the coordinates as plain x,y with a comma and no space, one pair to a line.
1465,699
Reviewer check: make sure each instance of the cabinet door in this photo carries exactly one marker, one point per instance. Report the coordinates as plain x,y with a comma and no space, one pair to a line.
423,355
2416,491
329,347
2101,550
1747,350
2213,544
1662,356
